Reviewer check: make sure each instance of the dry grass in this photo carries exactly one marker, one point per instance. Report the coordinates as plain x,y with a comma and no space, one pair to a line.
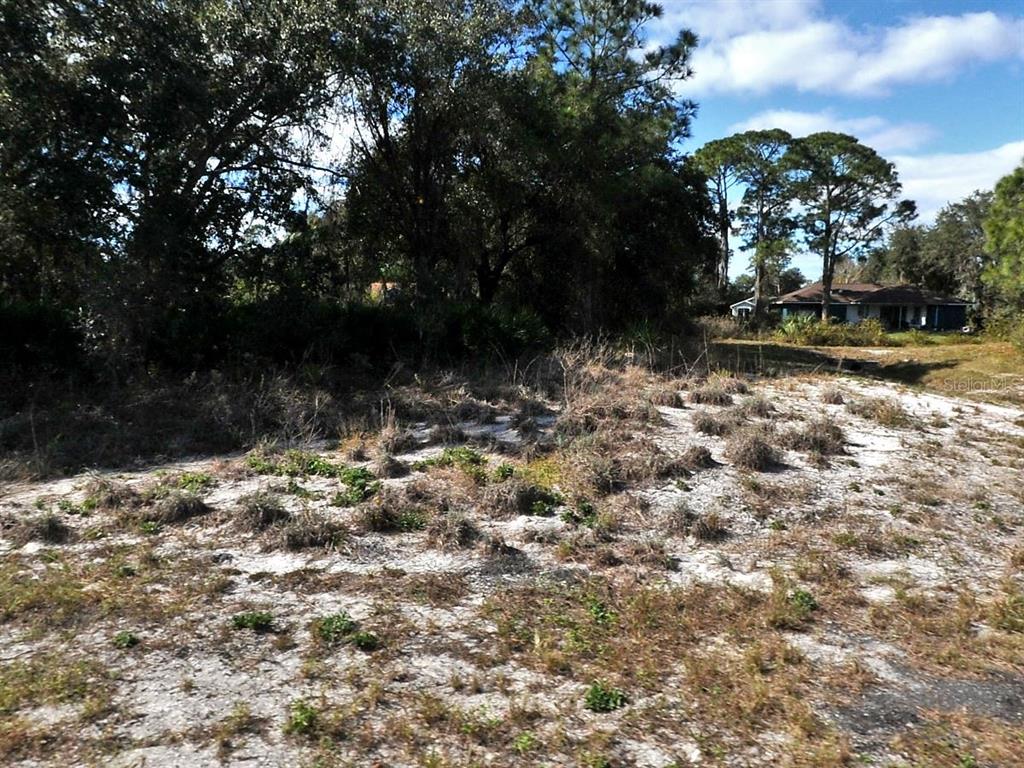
260,510
752,448
885,411
821,436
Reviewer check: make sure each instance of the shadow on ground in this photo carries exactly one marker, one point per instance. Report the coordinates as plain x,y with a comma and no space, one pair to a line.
778,359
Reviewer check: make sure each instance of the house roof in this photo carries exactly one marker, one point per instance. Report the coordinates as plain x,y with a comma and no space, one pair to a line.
867,293
749,301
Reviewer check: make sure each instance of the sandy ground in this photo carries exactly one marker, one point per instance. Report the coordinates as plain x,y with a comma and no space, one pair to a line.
189,672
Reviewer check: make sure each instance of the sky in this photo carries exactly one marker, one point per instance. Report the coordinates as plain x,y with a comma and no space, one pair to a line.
935,86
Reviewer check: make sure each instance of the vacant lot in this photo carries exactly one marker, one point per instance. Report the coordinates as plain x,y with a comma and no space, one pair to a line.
601,566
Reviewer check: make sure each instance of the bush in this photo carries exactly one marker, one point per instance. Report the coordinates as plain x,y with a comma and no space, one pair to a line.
809,330
1007,326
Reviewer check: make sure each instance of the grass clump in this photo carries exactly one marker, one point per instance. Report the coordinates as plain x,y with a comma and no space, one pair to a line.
461,457
755,405
389,512
711,394
821,436
716,426
882,410
175,507
47,528
195,482
309,529
790,608
257,621
292,463
752,449
261,510
601,697
452,529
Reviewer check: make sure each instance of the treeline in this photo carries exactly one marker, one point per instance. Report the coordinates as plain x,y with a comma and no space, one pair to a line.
975,250
169,192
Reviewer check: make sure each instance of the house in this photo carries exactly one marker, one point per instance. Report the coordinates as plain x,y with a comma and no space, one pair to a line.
743,308
895,306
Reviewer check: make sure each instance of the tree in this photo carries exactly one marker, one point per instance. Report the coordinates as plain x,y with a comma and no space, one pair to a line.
764,213
953,255
845,191
1004,239
719,160
166,130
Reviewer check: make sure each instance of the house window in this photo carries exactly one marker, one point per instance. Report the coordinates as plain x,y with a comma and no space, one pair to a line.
862,311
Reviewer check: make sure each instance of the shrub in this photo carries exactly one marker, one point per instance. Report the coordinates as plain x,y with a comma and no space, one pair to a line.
257,621
752,449
601,697
811,331
721,327
260,510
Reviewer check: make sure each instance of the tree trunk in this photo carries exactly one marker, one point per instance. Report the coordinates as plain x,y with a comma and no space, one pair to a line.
826,288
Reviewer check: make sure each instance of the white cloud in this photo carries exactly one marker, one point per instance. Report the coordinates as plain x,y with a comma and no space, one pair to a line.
934,181
755,47
875,131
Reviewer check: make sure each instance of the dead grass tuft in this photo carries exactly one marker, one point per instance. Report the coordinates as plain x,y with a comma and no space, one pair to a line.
753,449
260,510
47,528
821,436
882,410
309,530
175,507
452,529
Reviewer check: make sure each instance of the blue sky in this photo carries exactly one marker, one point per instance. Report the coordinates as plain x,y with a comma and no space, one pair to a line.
937,87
